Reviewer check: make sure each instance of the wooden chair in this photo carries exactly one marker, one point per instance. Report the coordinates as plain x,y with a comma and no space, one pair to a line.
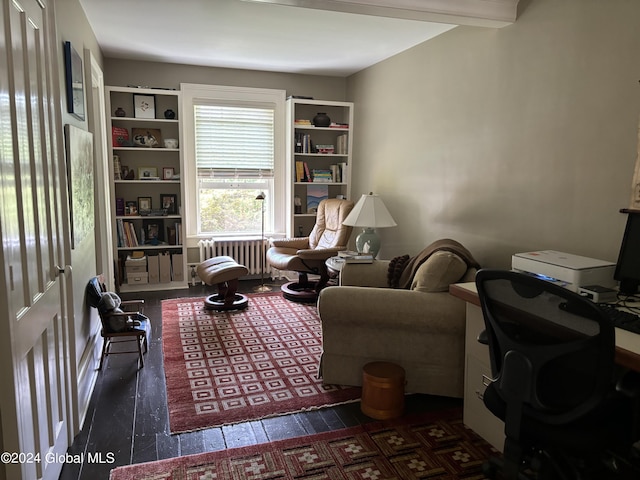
122,321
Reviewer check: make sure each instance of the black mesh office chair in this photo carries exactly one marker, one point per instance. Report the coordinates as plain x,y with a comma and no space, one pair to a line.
552,362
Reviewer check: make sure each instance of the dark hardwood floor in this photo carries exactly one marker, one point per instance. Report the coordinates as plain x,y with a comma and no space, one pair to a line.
128,421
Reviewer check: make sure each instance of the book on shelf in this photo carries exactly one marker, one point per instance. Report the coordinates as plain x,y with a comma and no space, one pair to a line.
335,173
117,168
338,125
120,137
343,172
299,171
120,206
307,173
342,145
302,122
178,227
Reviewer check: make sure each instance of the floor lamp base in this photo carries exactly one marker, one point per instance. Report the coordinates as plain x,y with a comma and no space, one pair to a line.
262,288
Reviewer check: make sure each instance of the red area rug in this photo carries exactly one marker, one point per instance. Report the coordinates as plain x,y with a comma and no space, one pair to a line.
432,445
228,367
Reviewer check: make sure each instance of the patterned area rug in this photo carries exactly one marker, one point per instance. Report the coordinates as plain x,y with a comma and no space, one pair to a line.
435,445
228,367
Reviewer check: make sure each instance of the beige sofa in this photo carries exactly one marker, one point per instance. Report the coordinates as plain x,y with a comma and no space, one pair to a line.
421,328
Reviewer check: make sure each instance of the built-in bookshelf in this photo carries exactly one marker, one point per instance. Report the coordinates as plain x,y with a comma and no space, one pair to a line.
147,189
318,156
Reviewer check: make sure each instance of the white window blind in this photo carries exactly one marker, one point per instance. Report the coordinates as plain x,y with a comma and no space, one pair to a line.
234,141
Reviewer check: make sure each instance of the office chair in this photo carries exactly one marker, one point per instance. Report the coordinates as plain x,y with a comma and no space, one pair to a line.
552,363
307,255
118,326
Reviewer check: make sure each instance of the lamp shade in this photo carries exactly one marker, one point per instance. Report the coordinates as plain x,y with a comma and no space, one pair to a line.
370,212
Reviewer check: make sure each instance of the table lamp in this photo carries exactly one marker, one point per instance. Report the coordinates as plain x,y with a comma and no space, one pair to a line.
369,213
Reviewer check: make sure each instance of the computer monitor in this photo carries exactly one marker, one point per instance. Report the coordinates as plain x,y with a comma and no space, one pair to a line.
628,266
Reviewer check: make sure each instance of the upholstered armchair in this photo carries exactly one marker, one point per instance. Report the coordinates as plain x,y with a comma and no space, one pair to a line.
420,327
307,255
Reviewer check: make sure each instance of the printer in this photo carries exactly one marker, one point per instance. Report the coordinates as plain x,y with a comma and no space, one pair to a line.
565,269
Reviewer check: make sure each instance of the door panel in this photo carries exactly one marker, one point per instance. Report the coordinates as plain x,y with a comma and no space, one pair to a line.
33,355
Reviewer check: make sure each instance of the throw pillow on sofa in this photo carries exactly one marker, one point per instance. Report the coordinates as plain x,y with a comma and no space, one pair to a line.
439,271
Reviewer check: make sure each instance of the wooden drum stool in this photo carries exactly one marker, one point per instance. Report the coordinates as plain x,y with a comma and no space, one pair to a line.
223,272
382,390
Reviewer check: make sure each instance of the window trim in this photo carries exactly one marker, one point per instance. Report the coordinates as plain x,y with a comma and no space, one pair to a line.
197,93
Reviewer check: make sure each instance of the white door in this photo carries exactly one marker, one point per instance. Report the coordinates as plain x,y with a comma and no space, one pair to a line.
33,353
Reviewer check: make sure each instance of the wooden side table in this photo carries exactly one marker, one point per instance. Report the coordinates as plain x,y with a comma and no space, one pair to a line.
382,390
334,265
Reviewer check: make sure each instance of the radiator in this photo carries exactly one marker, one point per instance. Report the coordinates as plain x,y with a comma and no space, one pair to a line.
245,252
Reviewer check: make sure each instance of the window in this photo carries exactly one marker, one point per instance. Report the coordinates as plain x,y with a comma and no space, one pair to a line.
233,153
235,163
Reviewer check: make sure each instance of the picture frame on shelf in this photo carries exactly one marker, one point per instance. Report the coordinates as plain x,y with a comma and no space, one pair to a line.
144,205
74,81
130,207
153,232
168,173
146,137
169,202
148,173
144,106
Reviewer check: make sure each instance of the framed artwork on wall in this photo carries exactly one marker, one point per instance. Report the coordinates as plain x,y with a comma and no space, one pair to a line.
74,80
79,153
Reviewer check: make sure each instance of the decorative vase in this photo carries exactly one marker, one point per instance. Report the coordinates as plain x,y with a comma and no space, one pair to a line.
169,114
321,120
120,112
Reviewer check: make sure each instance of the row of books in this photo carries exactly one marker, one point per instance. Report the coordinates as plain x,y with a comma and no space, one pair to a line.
127,236
150,234
304,144
336,173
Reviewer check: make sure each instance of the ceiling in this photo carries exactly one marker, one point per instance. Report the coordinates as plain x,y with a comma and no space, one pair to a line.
319,37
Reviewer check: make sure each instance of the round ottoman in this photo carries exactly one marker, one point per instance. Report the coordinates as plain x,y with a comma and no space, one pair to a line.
223,272
382,390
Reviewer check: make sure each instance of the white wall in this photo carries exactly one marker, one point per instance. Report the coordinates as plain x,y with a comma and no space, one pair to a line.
506,139
72,26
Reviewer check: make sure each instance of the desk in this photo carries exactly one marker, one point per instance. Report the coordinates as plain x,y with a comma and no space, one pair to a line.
478,370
